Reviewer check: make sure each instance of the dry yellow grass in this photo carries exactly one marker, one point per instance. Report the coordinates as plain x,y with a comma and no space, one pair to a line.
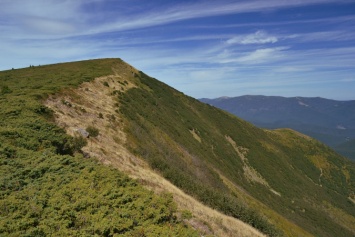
249,172
194,134
94,104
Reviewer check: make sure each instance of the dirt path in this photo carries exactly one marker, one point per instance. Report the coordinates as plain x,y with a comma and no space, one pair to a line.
94,104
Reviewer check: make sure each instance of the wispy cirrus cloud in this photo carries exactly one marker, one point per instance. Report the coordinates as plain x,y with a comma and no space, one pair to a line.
259,37
252,57
269,45
48,26
74,15
169,14
322,36
327,20
262,55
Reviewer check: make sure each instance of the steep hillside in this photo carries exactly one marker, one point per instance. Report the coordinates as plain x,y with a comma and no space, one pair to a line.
198,147
281,182
94,105
330,121
50,186
47,187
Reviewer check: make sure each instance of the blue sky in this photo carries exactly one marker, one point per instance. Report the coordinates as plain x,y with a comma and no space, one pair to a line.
204,48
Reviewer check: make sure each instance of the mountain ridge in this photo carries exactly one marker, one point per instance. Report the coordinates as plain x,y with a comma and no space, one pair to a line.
272,180
97,98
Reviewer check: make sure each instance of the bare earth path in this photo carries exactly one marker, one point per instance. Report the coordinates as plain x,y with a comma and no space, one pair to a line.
94,103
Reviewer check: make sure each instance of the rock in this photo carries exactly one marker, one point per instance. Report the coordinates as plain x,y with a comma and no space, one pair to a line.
82,132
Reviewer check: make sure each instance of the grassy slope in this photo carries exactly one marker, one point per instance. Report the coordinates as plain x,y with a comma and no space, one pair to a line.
183,139
46,187
186,141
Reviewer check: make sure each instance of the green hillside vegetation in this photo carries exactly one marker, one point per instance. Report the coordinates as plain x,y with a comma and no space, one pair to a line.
47,187
191,144
281,182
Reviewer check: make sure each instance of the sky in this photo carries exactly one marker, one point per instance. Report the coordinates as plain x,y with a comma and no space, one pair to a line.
203,48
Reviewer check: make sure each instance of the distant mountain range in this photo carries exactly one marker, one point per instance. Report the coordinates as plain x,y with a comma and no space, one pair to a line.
329,121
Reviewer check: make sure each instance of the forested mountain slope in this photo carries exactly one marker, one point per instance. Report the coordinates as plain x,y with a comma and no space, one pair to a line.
329,121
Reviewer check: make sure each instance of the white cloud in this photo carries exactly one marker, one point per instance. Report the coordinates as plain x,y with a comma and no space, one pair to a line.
261,55
322,36
48,26
258,56
329,20
208,74
259,37
292,69
67,13
48,31
197,10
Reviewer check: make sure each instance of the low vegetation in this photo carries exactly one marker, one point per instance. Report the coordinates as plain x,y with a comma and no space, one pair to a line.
160,120
69,196
47,187
280,182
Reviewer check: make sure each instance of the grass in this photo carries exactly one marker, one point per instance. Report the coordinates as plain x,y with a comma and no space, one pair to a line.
47,187
160,120
109,147
176,136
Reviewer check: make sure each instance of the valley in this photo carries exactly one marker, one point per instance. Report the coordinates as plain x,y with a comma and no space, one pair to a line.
331,122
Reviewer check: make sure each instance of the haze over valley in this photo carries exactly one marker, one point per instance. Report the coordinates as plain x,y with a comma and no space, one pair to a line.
329,121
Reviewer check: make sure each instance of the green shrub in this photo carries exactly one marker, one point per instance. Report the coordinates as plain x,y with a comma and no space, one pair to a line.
78,143
93,131
5,90
47,188
186,214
